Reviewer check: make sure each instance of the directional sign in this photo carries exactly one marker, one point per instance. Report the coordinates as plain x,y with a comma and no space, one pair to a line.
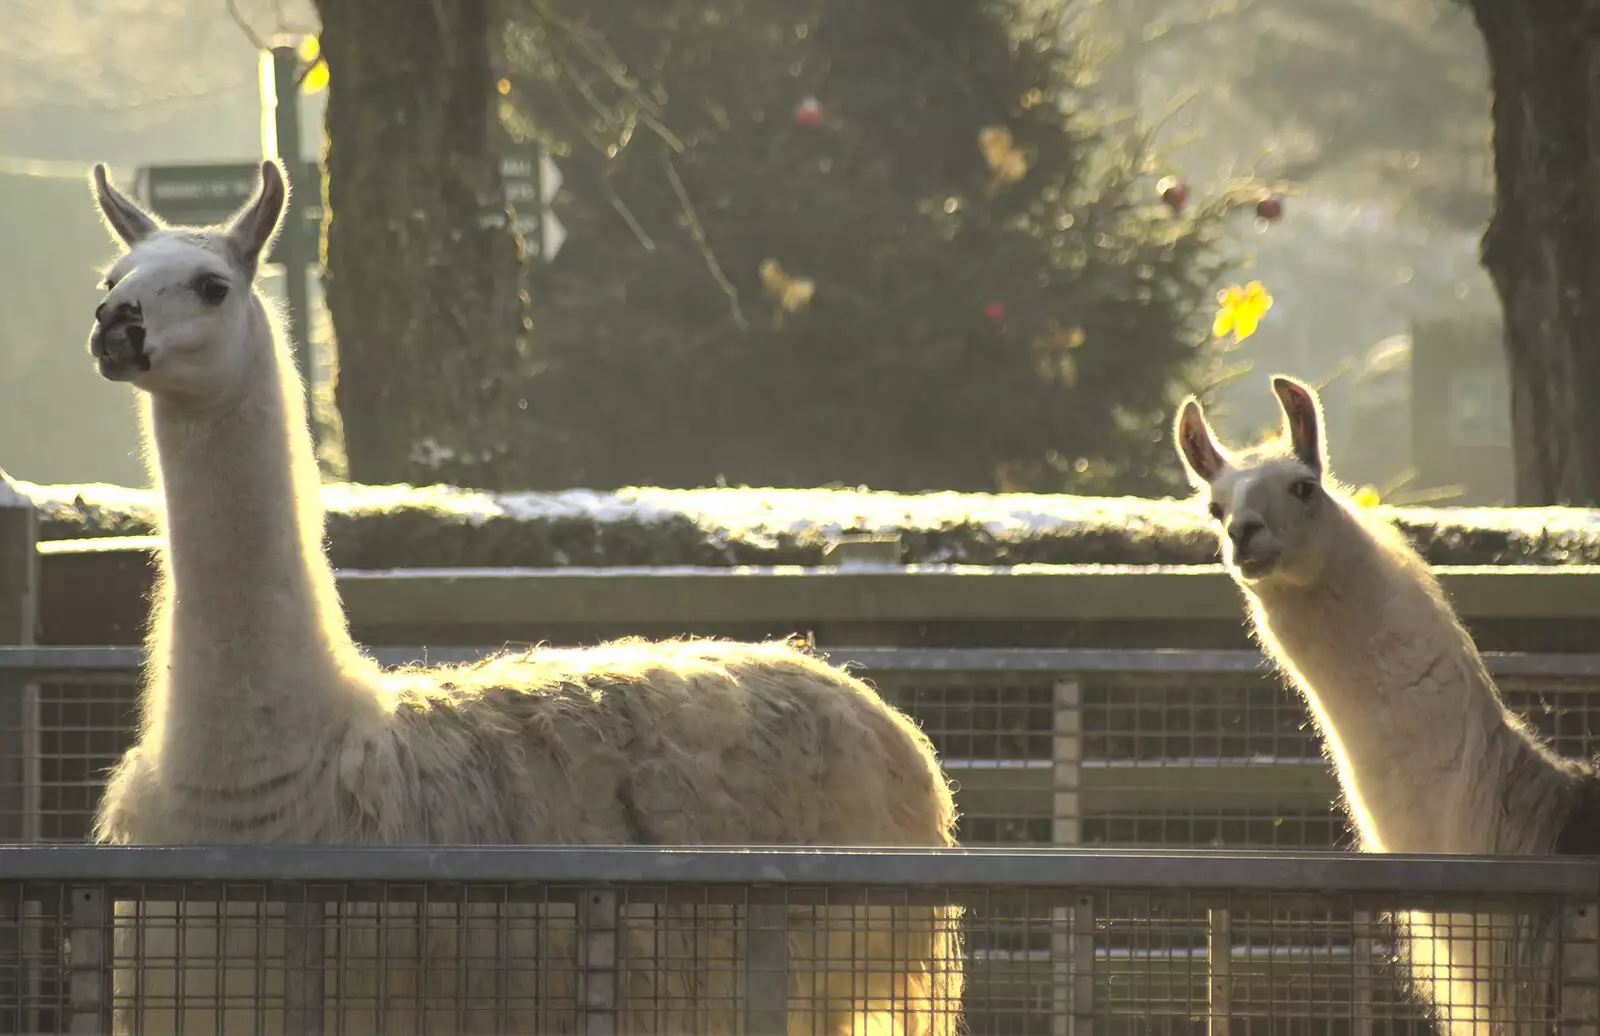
201,195
531,181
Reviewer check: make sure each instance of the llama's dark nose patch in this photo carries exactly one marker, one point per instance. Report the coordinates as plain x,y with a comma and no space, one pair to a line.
123,312
1242,531
124,344
120,340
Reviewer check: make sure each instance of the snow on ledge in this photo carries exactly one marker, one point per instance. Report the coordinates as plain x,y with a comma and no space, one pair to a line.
762,517
11,495
726,571
766,517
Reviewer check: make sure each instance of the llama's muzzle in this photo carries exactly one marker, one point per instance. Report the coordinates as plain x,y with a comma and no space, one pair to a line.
118,341
1254,555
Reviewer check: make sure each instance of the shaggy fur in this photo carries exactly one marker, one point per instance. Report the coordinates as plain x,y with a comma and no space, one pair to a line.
263,723
1426,753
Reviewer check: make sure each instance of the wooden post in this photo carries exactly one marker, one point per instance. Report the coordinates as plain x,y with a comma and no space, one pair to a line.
19,725
766,970
1363,974
1578,995
1082,965
304,949
1066,826
1065,829
89,972
598,957
1219,970
19,611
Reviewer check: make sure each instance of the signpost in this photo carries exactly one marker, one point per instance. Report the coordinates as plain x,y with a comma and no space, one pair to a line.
207,194
532,181
1461,409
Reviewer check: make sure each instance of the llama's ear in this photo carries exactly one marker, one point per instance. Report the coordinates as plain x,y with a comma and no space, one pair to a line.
1302,420
127,222
257,223
1196,444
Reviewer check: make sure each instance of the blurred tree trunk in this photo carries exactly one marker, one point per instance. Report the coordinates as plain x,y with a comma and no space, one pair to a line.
421,268
1542,247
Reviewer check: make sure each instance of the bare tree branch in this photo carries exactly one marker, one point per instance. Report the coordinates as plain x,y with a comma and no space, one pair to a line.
245,27
287,27
578,121
698,235
594,48
627,216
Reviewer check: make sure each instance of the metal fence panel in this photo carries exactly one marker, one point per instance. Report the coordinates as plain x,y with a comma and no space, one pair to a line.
1123,748
275,941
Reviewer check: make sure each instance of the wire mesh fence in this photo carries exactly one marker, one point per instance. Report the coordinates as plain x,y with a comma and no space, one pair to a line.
271,941
1119,748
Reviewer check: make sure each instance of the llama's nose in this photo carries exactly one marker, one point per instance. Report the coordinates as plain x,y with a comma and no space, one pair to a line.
1242,530
118,335
108,314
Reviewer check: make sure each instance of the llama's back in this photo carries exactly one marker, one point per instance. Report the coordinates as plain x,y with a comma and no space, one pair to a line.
691,742
694,742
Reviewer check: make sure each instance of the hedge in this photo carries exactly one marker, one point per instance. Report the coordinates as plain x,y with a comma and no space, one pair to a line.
438,527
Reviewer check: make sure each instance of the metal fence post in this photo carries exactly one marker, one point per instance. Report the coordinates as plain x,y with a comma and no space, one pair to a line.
1219,970
1579,989
89,974
597,963
766,970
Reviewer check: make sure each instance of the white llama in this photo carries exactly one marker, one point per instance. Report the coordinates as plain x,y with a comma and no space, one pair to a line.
1427,756
263,723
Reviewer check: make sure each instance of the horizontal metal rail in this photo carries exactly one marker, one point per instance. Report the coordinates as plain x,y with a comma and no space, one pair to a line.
1110,869
34,661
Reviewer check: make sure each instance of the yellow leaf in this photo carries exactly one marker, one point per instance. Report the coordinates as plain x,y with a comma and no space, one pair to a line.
1223,323
772,276
310,49
1240,310
1013,167
995,143
1366,497
316,78
792,294
797,294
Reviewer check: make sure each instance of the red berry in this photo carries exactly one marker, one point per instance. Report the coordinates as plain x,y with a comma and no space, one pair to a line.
1173,193
1270,208
995,311
808,113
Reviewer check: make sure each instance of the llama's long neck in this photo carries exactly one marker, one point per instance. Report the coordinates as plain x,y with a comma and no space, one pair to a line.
249,641
1427,756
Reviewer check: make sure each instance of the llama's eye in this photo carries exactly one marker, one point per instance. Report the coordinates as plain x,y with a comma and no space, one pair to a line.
212,289
1216,511
1303,489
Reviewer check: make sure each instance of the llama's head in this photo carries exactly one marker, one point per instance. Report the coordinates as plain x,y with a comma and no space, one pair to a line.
1273,508
180,318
